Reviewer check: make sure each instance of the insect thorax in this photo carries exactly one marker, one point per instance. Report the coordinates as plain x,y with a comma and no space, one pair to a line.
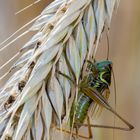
96,83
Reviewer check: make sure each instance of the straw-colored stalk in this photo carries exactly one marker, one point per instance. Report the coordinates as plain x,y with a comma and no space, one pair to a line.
37,96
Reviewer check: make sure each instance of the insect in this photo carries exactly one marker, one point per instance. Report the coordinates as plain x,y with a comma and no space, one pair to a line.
94,90
99,78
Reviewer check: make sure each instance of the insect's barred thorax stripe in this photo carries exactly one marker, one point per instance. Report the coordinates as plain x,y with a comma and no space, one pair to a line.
97,84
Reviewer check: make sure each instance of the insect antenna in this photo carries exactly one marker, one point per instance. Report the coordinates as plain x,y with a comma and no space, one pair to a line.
114,81
115,93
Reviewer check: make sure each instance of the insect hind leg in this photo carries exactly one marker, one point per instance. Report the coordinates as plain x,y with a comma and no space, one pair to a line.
89,128
106,127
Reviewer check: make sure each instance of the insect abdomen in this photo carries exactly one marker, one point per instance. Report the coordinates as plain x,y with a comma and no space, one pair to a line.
81,109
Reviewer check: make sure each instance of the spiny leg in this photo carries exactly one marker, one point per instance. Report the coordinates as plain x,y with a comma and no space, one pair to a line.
90,136
89,128
106,127
76,130
100,126
73,133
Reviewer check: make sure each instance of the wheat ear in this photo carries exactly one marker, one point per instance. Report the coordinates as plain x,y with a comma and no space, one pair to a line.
37,96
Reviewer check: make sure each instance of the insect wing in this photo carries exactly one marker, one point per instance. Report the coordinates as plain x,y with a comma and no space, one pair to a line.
96,96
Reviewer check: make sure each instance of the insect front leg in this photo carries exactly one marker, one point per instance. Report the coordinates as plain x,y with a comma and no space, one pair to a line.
90,135
74,134
66,76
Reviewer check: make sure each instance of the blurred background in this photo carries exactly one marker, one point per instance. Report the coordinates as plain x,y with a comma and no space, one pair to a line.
124,52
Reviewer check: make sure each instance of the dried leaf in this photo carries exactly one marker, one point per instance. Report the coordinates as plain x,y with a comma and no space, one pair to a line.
46,57
47,111
90,27
38,124
53,39
35,80
109,9
56,96
27,134
30,44
81,42
52,8
75,6
3,125
65,21
73,57
23,59
26,114
100,13
40,22
65,83
14,78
